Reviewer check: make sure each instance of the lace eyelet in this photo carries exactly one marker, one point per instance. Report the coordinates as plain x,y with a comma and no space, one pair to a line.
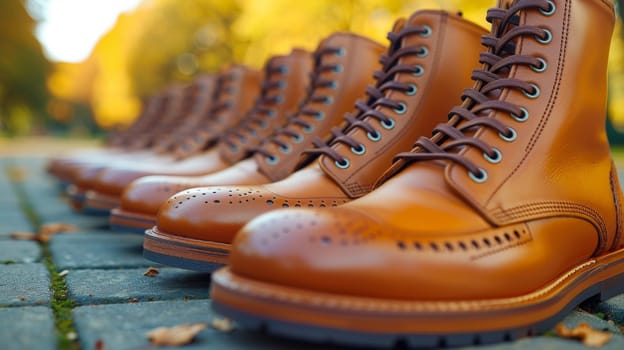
252,132
419,70
541,67
427,31
481,178
338,68
281,84
511,137
279,99
551,9
424,52
308,129
360,150
412,90
341,51
233,148
319,116
272,160
523,117
285,149
389,124
546,39
263,124
498,156
271,113
401,109
532,95
342,164
328,100
283,69
333,85
297,138
376,137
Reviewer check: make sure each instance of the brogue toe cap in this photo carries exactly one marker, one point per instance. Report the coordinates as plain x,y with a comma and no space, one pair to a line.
146,194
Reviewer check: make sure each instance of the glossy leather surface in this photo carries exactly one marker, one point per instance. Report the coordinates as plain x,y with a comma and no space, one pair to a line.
430,232
343,69
324,184
290,71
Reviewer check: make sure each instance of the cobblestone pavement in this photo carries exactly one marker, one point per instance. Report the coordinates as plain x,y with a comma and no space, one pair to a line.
103,297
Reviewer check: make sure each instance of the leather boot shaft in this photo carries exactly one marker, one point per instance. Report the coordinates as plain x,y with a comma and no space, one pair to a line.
344,66
283,88
422,73
237,88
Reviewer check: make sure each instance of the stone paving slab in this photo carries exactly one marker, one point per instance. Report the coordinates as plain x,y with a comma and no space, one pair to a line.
24,284
121,286
27,328
98,249
612,308
19,251
123,326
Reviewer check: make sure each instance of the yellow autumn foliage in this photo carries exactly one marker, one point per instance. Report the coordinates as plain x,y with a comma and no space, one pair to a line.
167,40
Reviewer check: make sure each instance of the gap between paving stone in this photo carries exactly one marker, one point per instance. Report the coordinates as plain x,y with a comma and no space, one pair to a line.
62,306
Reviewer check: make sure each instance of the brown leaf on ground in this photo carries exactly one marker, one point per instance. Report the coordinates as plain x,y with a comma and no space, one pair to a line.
99,345
151,272
48,230
58,227
585,333
223,324
133,300
175,336
17,174
24,236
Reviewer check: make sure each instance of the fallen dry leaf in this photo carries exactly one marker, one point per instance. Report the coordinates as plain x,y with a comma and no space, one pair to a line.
63,273
133,300
17,174
25,236
45,232
585,333
99,345
223,324
175,336
151,272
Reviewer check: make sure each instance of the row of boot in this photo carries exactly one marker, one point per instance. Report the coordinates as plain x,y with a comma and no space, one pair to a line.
368,195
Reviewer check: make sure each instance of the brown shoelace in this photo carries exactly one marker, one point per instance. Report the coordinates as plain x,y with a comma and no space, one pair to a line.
261,110
482,101
306,116
366,110
196,140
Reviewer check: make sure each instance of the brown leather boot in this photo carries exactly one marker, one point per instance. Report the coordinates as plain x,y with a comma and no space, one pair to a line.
61,166
283,89
409,99
344,66
194,106
494,228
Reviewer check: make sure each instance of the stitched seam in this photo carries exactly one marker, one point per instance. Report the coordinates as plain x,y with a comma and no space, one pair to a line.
556,208
618,210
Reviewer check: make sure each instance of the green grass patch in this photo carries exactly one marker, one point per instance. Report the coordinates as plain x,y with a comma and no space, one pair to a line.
62,306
